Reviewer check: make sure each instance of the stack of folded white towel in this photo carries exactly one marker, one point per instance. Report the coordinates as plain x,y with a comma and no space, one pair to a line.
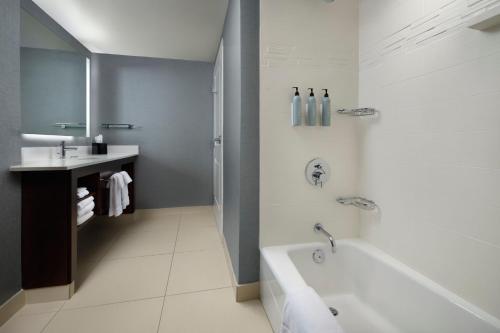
85,207
82,192
118,193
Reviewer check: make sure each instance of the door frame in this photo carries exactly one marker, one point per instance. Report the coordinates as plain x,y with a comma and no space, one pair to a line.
218,89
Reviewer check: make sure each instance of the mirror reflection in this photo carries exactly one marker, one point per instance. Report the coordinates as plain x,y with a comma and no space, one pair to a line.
54,81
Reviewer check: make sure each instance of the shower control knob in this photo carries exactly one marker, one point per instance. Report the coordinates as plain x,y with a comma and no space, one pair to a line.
317,172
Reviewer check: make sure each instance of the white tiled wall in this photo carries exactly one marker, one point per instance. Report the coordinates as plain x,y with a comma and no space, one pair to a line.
432,159
306,43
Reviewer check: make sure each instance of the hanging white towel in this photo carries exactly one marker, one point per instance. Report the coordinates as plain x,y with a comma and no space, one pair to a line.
305,312
115,185
84,218
84,202
86,209
126,180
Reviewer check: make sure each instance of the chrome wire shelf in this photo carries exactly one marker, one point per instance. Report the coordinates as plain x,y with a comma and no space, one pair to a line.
358,112
359,202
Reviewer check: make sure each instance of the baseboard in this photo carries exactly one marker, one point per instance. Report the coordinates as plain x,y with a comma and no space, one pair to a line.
11,306
50,294
228,261
242,292
248,291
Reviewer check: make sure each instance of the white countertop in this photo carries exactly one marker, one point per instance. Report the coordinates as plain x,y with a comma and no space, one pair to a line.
69,163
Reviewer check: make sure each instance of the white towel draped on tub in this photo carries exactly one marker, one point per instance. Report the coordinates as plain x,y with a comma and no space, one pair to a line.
305,312
118,193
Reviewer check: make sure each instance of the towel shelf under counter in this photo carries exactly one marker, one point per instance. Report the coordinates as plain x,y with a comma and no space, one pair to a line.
49,231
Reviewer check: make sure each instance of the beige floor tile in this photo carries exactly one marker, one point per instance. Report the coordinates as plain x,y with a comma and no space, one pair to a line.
27,324
143,243
213,311
159,212
94,241
128,317
83,271
40,308
197,209
200,270
198,238
197,220
108,224
123,280
160,223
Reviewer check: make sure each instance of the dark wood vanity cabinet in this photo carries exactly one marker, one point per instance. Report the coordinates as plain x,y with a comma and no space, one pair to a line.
49,219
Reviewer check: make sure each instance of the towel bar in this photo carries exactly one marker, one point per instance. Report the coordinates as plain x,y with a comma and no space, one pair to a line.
119,126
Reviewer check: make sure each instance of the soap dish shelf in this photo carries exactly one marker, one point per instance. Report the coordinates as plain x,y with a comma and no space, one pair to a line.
362,112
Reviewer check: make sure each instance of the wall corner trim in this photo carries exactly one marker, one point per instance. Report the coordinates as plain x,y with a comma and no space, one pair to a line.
11,306
247,292
242,292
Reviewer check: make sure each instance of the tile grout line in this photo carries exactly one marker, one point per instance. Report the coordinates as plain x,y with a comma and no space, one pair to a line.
101,259
199,291
169,272
219,236
139,256
81,307
160,254
173,253
52,318
94,263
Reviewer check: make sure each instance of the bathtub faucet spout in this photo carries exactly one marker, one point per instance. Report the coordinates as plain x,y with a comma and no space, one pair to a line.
318,227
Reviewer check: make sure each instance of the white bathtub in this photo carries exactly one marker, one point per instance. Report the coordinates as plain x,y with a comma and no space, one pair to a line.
373,292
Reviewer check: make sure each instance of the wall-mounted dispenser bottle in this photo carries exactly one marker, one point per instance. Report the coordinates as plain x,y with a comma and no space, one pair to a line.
326,113
311,109
296,108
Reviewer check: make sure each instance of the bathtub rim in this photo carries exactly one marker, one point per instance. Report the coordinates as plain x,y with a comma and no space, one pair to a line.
289,278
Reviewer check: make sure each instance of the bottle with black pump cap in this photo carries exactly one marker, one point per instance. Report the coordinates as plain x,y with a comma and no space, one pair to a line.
296,108
326,114
311,109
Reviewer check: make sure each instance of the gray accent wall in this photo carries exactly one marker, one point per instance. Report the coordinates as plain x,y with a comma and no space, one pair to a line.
171,102
10,145
241,138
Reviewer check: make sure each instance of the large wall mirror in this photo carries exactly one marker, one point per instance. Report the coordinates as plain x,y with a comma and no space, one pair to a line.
55,79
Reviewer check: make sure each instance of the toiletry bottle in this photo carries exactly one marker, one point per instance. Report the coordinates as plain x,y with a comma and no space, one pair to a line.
296,108
311,109
326,114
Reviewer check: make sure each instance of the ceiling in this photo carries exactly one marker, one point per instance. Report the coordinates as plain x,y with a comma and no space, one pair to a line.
174,29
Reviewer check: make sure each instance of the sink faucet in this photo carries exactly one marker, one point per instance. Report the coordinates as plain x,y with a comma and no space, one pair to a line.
318,227
64,148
